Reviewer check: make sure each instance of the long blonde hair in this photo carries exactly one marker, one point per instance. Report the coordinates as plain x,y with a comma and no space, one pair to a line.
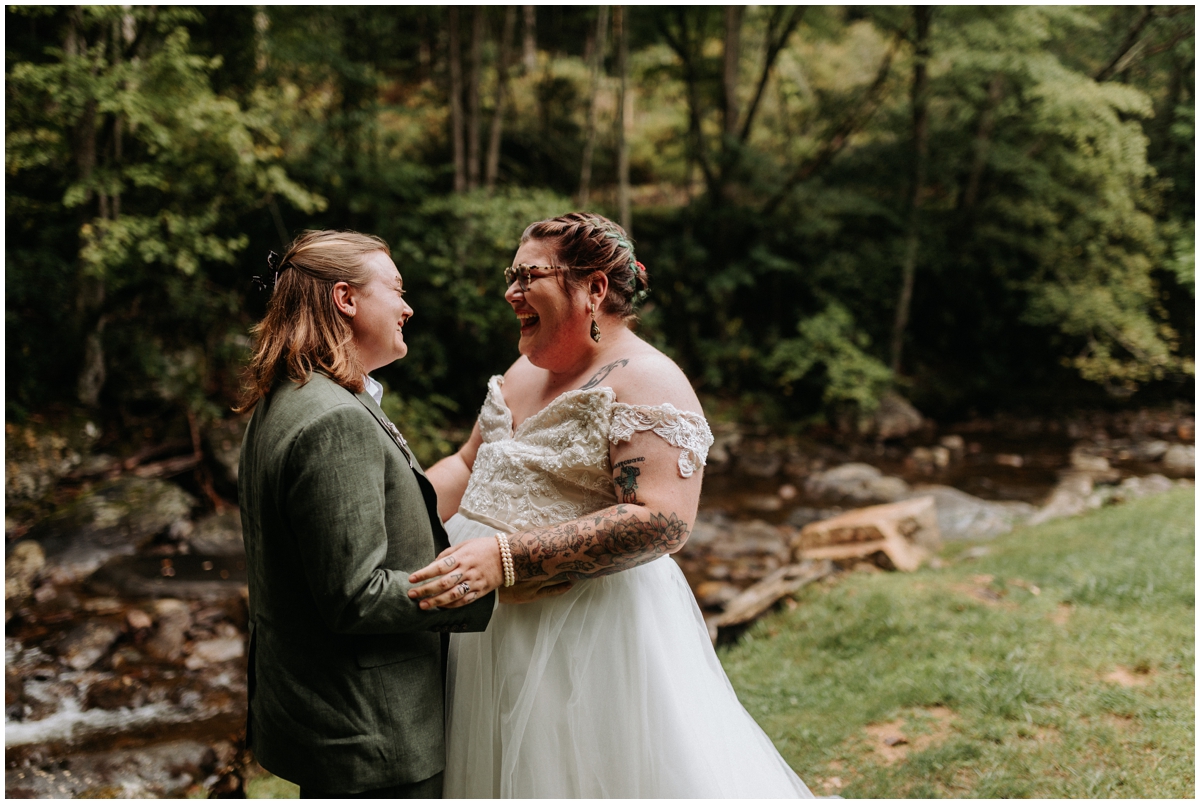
303,331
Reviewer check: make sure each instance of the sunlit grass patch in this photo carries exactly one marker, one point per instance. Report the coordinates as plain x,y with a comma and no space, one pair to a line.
1060,664
261,783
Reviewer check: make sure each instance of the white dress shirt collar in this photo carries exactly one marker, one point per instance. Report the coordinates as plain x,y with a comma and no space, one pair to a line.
374,389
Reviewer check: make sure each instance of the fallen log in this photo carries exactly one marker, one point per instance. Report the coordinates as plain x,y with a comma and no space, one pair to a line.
755,601
906,532
114,466
153,451
169,467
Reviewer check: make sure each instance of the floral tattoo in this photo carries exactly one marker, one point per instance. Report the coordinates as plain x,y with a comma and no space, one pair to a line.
608,541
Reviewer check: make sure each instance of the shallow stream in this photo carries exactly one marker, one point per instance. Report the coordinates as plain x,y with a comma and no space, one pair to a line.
148,715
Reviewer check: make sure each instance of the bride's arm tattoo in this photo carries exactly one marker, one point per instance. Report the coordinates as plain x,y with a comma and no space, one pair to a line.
608,541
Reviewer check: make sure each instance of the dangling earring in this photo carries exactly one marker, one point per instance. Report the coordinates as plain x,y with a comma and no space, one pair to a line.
595,326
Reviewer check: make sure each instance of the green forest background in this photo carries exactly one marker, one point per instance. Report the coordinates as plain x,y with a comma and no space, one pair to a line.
984,208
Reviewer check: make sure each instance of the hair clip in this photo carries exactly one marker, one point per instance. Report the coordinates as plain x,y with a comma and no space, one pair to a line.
273,266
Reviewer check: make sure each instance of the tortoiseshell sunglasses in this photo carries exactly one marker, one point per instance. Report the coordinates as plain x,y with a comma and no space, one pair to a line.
521,273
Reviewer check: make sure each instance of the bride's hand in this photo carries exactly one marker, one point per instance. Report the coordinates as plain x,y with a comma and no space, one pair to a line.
460,575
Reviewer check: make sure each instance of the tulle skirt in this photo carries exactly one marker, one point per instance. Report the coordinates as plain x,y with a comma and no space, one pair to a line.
611,690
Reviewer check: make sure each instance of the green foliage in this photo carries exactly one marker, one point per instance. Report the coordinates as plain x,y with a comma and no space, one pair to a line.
154,169
423,422
154,154
830,339
452,254
1030,706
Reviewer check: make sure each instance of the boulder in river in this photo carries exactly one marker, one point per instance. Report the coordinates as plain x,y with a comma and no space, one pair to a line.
190,577
754,538
801,516
225,443
1133,488
1150,450
87,643
894,418
218,535
1180,458
114,693
21,568
173,618
115,518
167,770
707,530
758,459
962,516
858,483
215,651
36,456
1073,495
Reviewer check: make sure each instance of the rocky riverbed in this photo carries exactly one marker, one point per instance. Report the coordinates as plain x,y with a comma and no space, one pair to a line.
125,578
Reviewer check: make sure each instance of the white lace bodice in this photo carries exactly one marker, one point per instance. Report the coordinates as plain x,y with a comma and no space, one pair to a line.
555,466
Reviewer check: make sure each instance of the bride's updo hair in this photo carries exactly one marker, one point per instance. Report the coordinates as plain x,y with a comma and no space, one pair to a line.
586,243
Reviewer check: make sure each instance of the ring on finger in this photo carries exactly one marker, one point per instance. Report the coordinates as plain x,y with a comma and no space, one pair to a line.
464,587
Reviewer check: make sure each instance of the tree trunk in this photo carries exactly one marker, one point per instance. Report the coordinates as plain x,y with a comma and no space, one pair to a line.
733,54
983,140
529,49
262,24
493,155
624,116
92,374
920,111
687,50
1129,45
89,289
854,120
589,148
779,30
473,99
456,110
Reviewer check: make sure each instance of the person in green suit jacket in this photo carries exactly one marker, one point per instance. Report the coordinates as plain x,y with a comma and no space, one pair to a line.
345,671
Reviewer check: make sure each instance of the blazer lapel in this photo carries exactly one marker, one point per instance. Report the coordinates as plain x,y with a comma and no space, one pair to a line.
440,539
389,428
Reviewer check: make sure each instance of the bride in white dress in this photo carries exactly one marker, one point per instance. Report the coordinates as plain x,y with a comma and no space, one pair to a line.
587,455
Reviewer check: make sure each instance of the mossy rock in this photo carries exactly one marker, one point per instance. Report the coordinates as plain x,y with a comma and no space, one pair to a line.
115,518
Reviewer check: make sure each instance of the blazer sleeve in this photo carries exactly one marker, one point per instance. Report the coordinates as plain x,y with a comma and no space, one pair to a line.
335,505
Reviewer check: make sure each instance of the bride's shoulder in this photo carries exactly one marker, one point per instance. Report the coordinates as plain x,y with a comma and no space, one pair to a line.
521,375
650,378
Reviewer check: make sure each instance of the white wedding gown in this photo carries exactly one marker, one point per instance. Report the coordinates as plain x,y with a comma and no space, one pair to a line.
613,689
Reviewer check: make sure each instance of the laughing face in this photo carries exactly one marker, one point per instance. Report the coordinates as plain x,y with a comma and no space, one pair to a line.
554,319
380,313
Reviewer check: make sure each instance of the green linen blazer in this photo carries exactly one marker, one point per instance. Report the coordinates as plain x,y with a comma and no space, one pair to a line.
345,675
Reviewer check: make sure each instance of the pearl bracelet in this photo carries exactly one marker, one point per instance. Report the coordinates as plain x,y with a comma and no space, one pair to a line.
506,561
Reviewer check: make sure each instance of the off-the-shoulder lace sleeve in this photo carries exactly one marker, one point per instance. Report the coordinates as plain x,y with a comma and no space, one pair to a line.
680,428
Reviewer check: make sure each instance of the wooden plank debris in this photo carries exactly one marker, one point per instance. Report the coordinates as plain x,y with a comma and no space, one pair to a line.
906,532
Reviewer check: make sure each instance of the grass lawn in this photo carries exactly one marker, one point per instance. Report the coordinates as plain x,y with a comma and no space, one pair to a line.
1061,664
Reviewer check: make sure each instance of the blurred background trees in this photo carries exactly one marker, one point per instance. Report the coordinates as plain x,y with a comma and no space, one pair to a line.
979,207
